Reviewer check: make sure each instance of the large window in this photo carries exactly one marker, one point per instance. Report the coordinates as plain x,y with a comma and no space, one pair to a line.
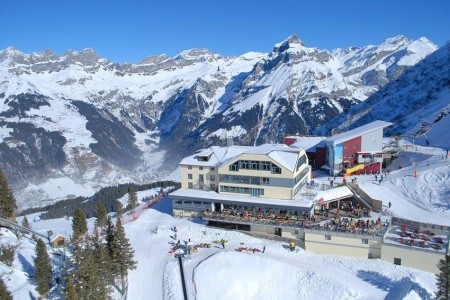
301,161
190,185
244,164
234,167
257,192
276,169
201,178
189,176
265,165
244,179
257,165
212,177
255,180
241,190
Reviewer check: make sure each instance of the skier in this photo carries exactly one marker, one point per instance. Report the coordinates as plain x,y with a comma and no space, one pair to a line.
389,204
264,249
376,177
223,244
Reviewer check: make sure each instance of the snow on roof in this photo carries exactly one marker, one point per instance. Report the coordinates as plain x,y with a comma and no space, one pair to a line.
335,194
345,136
205,152
284,155
286,159
54,236
199,195
218,155
309,143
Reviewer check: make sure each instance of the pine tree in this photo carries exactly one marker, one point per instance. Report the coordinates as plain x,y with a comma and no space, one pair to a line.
25,222
132,199
43,269
85,271
443,279
101,215
70,293
79,223
111,245
7,200
119,208
103,263
4,293
120,251
7,253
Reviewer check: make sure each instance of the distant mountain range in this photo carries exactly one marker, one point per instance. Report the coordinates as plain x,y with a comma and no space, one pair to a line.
80,120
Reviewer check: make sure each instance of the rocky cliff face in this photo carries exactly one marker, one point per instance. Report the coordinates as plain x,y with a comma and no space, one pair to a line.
92,122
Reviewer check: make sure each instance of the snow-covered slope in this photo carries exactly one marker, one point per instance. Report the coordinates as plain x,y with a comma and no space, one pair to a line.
80,118
277,273
226,274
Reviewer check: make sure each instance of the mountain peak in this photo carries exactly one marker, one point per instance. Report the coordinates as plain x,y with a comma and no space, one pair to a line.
196,53
292,41
86,56
154,59
47,53
10,51
398,39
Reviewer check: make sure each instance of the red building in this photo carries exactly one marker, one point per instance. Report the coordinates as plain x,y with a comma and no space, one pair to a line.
356,151
352,152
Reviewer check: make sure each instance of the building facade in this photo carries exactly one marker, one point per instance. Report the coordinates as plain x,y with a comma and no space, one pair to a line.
357,150
266,177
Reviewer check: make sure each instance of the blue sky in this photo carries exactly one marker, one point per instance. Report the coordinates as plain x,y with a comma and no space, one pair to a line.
128,31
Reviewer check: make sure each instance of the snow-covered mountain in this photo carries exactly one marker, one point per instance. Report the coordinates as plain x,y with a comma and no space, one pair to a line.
418,103
78,120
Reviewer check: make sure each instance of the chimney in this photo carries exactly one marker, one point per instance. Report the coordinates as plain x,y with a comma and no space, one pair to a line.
229,141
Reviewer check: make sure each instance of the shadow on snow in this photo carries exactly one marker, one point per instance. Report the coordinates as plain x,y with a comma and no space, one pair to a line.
396,289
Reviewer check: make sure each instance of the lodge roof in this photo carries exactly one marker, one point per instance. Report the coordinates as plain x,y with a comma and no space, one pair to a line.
215,156
348,135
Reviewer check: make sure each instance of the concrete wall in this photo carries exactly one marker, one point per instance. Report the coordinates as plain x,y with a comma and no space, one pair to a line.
372,141
345,246
422,260
290,233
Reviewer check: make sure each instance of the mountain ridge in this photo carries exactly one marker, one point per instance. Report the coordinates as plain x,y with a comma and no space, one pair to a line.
170,106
